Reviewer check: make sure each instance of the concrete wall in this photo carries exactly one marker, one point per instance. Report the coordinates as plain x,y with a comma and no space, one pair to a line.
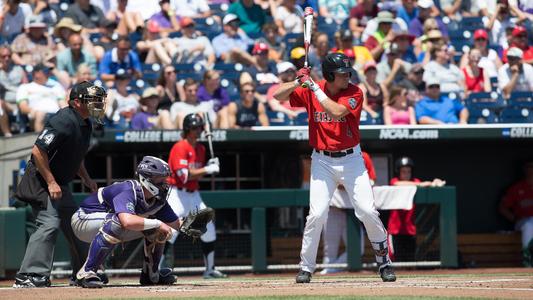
12,150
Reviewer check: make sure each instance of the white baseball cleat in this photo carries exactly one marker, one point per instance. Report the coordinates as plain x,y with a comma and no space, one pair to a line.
214,274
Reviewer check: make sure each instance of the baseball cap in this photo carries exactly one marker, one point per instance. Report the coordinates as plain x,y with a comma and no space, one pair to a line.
297,53
346,34
403,33
425,3
481,34
153,27
186,21
229,18
285,66
260,48
515,52
519,30
434,34
79,90
36,22
149,93
349,53
66,23
40,67
432,81
369,65
385,17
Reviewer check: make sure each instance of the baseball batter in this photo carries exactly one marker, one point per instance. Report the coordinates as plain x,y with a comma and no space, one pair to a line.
334,108
187,164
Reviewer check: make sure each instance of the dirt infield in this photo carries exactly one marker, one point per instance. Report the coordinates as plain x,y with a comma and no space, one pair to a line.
478,283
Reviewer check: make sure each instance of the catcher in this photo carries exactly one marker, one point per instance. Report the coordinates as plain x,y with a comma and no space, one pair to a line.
132,209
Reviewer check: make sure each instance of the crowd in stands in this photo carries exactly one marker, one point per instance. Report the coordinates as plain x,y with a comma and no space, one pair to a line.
417,62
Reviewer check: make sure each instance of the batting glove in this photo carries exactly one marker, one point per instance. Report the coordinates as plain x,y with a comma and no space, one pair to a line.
303,75
213,160
212,169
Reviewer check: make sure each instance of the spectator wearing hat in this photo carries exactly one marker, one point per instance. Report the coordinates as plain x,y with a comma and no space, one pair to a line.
373,24
69,59
515,75
62,31
166,18
439,109
490,61
360,15
193,48
128,21
393,69
404,41
107,40
191,105
263,73
381,39
122,104
232,44
361,53
413,83
90,17
520,40
338,10
33,47
424,42
286,73
12,20
272,38
289,17
120,57
425,9
251,16
210,90
40,98
450,77
375,93
476,78
148,117
249,111
153,48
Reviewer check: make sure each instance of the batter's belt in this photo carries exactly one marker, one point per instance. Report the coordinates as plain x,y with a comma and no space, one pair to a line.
335,153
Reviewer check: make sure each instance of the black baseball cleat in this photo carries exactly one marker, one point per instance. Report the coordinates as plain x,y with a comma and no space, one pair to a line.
387,274
303,277
31,281
92,282
165,278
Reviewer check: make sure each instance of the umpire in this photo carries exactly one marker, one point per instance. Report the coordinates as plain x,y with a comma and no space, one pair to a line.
57,156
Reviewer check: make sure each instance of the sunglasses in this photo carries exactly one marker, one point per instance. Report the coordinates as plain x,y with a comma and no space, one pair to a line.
170,72
434,86
248,91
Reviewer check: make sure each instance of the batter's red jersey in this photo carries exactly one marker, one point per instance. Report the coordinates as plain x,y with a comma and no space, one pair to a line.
184,156
519,199
324,132
402,221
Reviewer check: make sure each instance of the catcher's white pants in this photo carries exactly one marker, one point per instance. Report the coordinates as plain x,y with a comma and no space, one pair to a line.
326,174
182,202
86,226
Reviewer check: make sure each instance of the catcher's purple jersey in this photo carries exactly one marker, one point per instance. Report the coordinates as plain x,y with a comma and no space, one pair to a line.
127,197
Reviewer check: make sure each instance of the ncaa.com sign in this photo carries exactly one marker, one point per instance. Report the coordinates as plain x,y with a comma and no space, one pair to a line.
406,134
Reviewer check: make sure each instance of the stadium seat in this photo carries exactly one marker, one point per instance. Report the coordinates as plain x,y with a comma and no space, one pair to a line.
481,116
366,119
453,95
276,118
231,88
521,99
151,72
208,26
516,115
494,83
471,23
95,36
492,101
219,9
301,119
175,34
194,75
290,39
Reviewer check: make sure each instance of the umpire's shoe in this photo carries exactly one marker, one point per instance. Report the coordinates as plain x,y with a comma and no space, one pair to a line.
31,281
303,277
387,274
214,274
165,278
89,280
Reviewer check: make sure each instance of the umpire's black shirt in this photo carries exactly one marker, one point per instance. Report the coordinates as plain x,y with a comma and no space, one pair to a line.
66,137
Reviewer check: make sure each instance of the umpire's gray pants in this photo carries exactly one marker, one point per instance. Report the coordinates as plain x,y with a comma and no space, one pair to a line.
39,254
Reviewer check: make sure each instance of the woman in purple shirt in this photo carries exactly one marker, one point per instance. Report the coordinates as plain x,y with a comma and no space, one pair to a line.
210,90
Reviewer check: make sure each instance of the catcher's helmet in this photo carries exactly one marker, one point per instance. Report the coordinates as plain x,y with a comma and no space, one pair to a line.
92,95
152,167
403,161
192,121
335,63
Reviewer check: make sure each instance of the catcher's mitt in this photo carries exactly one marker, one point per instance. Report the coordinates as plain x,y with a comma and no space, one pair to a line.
194,225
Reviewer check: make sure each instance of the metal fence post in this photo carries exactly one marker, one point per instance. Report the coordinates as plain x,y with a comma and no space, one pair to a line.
259,262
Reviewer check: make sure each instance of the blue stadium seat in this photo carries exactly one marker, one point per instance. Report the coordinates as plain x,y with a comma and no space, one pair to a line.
516,115
208,26
327,25
151,72
521,99
219,9
276,118
95,36
494,83
301,119
471,23
231,88
482,116
175,34
366,119
492,101
194,75
454,95
291,38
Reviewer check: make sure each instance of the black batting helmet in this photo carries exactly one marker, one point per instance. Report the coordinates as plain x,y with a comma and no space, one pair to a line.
192,121
403,161
335,63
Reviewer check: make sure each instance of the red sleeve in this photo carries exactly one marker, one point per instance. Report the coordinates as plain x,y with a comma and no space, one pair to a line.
178,158
504,55
369,166
394,180
510,197
371,43
200,155
297,97
354,101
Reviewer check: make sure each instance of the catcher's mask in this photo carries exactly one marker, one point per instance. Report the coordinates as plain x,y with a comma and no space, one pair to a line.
152,173
93,96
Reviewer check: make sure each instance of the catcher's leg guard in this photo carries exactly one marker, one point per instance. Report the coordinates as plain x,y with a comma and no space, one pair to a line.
153,252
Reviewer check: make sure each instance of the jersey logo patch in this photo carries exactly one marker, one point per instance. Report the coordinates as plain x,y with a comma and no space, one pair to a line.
48,138
352,103
183,161
130,207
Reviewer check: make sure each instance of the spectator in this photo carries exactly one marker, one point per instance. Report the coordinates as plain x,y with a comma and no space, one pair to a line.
12,20
193,48
362,54
42,9
169,89
191,105
272,38
499,22
152,48
489,61
232,44
456,9
107,40
196,9
146,8
250,15
401,225
431,35
69,59
121,103
515,75
263,72
398,111
476,78
375,94
62,32
372,24
210,90
297,57
360,15
90,17
33,47
338,10
523,9
4,118
425,8
286,73
520,40
404,41
516,206
148,117
379,41
249,111
450,77
166,18
414,83
393,69
83,73
120,57
128,21
408,11
439,109
289,17
11,77
40,98
318,50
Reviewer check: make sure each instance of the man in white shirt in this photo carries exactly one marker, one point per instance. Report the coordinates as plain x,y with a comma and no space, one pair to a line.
190,105
190,8
515,75
41,97
193,48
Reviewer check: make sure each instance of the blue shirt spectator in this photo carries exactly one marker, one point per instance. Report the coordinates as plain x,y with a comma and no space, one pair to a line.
416,26
438,109
405,15
233,41
120,57
251,15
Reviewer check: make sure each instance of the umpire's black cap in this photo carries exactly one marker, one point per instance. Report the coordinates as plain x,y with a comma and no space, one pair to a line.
79,90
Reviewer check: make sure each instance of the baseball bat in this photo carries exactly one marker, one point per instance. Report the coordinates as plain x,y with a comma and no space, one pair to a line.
308,26
209,135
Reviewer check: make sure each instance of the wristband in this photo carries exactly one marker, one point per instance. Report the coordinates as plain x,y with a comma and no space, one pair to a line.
151,224
320,95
